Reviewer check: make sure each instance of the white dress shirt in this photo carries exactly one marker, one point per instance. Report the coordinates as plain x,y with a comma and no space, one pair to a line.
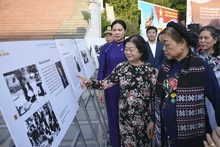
153,47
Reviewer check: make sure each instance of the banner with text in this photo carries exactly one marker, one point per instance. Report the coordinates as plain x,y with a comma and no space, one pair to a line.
155,15
203,12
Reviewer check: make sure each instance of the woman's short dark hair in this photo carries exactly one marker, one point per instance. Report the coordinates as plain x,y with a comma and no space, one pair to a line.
121,22
140,44
178,32
215,35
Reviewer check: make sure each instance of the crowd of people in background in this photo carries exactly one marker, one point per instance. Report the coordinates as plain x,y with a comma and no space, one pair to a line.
164,90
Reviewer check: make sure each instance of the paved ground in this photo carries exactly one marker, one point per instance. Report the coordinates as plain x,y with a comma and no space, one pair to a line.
6,140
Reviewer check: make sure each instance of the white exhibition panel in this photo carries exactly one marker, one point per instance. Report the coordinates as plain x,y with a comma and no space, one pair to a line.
85,57
72,63
37,100
95,49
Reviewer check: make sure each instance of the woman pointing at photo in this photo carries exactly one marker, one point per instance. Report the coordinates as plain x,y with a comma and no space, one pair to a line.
137,79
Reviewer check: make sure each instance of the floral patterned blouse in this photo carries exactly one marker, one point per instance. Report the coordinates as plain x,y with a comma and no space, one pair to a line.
137,94
213,61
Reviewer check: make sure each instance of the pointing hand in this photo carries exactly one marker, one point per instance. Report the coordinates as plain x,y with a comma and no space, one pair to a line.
84,81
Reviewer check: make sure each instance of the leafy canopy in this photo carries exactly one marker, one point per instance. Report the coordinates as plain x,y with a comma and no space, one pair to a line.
127,10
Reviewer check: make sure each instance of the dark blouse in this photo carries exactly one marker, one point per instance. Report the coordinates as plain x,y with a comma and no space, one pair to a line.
169,108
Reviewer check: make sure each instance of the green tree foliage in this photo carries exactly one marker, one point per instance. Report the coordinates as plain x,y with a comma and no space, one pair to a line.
104,22
128,10
180,5
165,3
132,28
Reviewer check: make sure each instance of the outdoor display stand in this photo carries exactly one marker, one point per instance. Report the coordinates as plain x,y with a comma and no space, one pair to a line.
37,100
82,65
100,108
88,119
99,114
39,93
78,134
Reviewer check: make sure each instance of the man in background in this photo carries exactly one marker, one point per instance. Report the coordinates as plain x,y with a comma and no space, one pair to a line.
108,34
156,53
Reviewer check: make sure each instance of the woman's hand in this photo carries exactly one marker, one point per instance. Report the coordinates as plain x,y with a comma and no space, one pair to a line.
84,81
214,140
150,130
101,97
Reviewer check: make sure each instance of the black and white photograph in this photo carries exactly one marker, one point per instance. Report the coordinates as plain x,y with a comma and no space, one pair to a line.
25,86
42,127
62,74
84,56
98,58
77,64
90,51
98,48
